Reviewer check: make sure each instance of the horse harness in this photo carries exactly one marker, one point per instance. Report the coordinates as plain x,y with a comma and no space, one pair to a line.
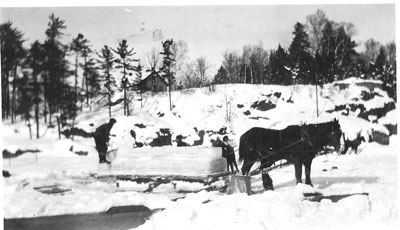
303,140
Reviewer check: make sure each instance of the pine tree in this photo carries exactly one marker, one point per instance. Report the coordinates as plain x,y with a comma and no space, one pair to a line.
277,69
299,55
78,44
380,61
124,62
92,80
166,67
36,61
222,76
24,98
12,54
106,62
88,69
56,65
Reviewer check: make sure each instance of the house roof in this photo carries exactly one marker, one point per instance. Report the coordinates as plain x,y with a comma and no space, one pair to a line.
157,75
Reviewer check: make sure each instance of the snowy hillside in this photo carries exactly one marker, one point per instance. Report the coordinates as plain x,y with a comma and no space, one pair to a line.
360,106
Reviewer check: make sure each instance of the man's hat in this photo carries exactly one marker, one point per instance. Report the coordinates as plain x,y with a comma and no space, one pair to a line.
113,121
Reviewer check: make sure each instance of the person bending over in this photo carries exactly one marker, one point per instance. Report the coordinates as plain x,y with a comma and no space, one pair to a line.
101,137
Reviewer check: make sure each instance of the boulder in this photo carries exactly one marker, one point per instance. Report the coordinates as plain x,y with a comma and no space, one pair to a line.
380,137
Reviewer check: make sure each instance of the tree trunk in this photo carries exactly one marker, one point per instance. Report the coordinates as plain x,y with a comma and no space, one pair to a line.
5,95
76,78
59,128
125,114
82,87
141,99
13,100
61,97
316,92
109,90
86,82
91,98
45,96
244,81
124,77
251,75
36,93
109,104
29,125
127,106
8,94
169,92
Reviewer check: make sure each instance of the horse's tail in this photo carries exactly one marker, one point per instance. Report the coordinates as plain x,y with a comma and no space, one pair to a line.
242,147
345,144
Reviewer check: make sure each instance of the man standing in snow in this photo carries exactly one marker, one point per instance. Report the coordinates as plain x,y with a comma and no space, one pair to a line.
101,138
229,153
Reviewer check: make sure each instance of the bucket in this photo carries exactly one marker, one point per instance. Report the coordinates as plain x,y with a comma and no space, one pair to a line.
239,184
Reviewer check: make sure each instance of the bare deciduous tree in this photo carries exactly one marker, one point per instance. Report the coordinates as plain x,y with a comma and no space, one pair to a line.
202,67
371,50
180,50
153,59
315,25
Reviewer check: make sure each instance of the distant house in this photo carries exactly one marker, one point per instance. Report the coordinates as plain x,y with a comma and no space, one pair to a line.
154,82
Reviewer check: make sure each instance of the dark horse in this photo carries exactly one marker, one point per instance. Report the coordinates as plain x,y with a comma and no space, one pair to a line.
296,144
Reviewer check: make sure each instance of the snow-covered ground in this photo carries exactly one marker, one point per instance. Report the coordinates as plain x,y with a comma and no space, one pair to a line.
372,171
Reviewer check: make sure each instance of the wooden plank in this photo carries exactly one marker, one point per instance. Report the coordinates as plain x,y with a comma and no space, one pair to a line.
121,218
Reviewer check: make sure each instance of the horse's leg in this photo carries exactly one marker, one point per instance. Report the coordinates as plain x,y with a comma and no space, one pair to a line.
246,170
297,167
346,147
246,166
237,169
307,166
267,181
231,165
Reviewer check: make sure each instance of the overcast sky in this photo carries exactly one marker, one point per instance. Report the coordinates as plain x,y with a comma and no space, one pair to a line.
208,30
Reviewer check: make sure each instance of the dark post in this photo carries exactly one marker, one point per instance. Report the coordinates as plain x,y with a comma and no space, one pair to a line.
59,129
316,92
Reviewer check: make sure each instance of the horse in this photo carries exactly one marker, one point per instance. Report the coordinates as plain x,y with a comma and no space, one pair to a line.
297,144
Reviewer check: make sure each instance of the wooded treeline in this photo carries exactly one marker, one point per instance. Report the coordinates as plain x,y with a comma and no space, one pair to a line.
321,51
53,80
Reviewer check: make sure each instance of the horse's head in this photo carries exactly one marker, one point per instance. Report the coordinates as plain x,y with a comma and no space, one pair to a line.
326,134
335,134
